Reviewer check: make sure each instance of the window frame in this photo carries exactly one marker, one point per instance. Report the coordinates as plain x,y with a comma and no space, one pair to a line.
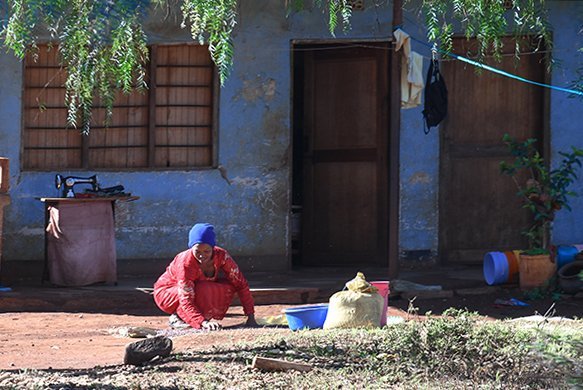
151,123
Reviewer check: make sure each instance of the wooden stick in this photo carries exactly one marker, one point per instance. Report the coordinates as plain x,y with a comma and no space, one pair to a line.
268,364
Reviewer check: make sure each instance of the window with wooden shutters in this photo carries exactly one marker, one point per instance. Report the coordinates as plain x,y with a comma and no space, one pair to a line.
183,105
47,143
170,125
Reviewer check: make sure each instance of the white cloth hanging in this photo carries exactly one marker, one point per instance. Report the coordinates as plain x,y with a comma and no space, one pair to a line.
412,82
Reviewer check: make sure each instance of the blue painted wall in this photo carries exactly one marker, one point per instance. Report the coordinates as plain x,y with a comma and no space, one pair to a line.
251,208
419,164
565,119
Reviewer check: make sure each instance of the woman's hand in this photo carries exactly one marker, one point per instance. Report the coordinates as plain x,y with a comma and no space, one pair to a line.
210,325
251,321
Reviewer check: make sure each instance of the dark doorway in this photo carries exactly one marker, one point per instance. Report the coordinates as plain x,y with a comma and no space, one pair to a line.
479,209
340,142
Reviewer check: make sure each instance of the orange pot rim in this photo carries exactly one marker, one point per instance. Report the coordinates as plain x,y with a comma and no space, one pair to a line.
512,263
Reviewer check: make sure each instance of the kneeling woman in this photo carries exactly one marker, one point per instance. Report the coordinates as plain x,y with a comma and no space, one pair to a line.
191,290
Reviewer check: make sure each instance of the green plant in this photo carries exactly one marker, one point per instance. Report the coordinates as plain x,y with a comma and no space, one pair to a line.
543,191
549,289
488,21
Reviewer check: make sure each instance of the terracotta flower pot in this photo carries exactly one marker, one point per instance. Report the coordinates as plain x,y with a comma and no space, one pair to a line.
535,270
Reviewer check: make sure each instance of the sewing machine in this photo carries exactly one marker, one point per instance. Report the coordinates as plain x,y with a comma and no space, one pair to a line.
69,182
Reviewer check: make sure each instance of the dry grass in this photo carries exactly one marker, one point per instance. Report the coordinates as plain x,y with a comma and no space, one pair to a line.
456,352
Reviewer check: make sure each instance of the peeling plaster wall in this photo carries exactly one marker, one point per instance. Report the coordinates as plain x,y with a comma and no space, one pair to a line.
247,197
419,170
565,111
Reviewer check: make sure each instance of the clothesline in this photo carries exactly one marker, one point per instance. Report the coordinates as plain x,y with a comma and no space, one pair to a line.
501,72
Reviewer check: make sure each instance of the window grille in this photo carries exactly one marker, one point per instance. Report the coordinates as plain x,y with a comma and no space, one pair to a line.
170,125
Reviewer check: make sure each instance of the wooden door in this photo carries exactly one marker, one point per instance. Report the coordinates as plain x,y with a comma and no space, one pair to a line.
345,156
479,209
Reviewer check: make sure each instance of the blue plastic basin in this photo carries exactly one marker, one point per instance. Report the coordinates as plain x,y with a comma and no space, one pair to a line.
495,268
566,254
306,317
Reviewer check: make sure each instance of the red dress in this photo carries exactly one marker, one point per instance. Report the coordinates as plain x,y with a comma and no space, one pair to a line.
185,290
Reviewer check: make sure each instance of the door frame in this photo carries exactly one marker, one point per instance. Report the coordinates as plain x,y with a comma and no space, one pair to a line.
545,149
392,142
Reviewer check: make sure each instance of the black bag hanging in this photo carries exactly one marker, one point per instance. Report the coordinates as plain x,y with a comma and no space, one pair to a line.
435,105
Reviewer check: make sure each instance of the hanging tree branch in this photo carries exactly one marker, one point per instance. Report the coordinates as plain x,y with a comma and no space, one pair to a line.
102,43
213,21
488,21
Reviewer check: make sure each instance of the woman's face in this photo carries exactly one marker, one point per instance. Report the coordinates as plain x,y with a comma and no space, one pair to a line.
203,253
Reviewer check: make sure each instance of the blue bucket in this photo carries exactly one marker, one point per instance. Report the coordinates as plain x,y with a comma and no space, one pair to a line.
566,254
306,317
495,268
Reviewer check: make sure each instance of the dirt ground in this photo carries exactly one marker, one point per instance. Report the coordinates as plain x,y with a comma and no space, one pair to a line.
43,339
61,340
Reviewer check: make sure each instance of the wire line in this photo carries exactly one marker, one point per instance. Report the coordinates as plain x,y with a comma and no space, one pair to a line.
501,72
